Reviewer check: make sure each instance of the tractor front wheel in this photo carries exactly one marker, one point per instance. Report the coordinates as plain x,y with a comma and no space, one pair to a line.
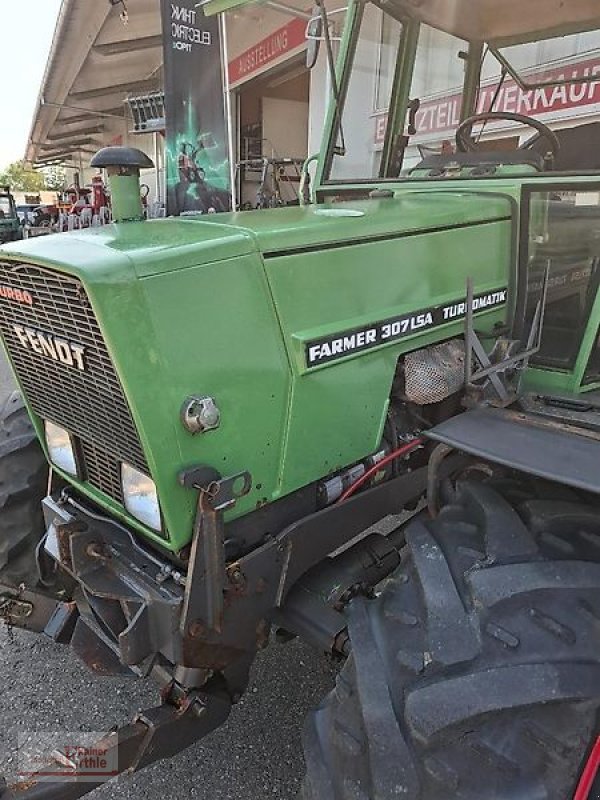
475,672
23,484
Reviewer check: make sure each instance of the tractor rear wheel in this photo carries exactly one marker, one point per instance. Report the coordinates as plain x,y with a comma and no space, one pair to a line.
23,484
475,672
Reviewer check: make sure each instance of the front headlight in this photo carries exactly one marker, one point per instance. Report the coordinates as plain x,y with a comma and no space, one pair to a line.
60,448
140,497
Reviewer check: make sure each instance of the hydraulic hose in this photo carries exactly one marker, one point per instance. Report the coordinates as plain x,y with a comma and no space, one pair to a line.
401,451
592,769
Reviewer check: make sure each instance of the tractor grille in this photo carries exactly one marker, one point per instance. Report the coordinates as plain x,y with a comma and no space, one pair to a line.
88,402
102,470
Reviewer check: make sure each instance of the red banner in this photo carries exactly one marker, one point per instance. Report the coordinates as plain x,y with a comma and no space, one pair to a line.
280,42
443,115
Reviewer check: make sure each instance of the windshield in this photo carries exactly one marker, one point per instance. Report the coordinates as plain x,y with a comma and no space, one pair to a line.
551,61
552,79
438,69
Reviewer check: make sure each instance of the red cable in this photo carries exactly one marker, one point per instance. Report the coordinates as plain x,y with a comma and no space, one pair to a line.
589,774
401,451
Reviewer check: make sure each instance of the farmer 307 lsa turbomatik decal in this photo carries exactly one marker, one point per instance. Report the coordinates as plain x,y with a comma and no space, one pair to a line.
228,403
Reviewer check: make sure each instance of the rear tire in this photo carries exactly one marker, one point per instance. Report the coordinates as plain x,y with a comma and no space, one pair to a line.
23,484
475,673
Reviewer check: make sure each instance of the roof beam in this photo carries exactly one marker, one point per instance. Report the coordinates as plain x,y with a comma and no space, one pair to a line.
70,152
58,162
66,143
128,45
61,135
119,88
115,113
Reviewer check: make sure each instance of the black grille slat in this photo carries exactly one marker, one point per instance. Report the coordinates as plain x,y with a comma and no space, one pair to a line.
90,404
102,470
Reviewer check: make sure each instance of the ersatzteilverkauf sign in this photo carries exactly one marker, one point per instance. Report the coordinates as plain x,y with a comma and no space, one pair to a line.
442,115
197,152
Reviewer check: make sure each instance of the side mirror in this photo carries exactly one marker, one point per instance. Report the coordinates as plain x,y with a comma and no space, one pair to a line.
314,33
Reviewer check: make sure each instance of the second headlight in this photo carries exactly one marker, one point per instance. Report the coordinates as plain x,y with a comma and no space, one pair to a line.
140,497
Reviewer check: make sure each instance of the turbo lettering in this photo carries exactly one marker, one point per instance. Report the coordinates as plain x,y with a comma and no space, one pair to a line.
479,304
16,295
44,344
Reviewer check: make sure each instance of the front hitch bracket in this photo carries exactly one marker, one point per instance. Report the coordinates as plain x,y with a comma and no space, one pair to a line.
155,734
206,572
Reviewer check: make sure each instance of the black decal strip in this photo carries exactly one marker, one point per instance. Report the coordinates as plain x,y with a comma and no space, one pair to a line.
382,237
356,340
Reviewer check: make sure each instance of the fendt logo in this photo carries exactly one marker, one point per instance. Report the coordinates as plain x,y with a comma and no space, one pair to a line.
16,295
44,344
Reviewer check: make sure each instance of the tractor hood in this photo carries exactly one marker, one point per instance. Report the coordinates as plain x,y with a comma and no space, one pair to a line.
149,247
140,317
315,227
165,245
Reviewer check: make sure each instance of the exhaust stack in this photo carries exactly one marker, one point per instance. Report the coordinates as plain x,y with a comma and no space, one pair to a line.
122,165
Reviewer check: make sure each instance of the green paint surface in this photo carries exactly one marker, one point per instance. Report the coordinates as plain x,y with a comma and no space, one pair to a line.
224,306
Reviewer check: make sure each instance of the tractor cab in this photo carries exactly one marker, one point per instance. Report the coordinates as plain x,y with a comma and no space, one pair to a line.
471,120
10,227
472,111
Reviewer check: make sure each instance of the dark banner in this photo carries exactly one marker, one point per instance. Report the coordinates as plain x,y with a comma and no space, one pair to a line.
196,152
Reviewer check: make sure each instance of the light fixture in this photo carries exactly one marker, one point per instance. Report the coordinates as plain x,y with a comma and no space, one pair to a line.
60,448
140,497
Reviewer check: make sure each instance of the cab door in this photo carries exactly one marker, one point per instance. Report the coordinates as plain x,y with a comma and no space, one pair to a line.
560,232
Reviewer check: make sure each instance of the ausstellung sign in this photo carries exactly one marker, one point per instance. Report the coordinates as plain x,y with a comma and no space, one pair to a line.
443,114
198,174
269,49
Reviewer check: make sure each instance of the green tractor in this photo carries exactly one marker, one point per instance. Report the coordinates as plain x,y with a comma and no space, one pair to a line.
229,404
10,226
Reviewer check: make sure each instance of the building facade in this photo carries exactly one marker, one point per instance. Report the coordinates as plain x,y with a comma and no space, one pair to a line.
106,53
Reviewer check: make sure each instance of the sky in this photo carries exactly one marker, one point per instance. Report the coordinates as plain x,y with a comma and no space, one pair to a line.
27,27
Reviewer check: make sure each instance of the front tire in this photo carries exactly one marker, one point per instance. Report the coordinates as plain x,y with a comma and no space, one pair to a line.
23,484
475,673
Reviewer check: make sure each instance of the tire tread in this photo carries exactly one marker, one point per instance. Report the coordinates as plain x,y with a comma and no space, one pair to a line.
498,666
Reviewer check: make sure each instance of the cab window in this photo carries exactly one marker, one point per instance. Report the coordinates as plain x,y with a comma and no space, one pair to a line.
438,72
563,238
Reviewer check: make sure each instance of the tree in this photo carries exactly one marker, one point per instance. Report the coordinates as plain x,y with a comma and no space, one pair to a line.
22,178
54,177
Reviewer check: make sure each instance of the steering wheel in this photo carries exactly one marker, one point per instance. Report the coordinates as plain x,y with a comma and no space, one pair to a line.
466,144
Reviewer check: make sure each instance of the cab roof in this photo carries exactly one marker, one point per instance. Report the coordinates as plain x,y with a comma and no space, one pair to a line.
504,22
498,22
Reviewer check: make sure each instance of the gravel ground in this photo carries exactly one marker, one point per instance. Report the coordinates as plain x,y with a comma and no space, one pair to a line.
256,755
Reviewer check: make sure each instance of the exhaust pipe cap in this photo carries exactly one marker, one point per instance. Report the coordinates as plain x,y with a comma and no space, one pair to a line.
121,157
122,165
